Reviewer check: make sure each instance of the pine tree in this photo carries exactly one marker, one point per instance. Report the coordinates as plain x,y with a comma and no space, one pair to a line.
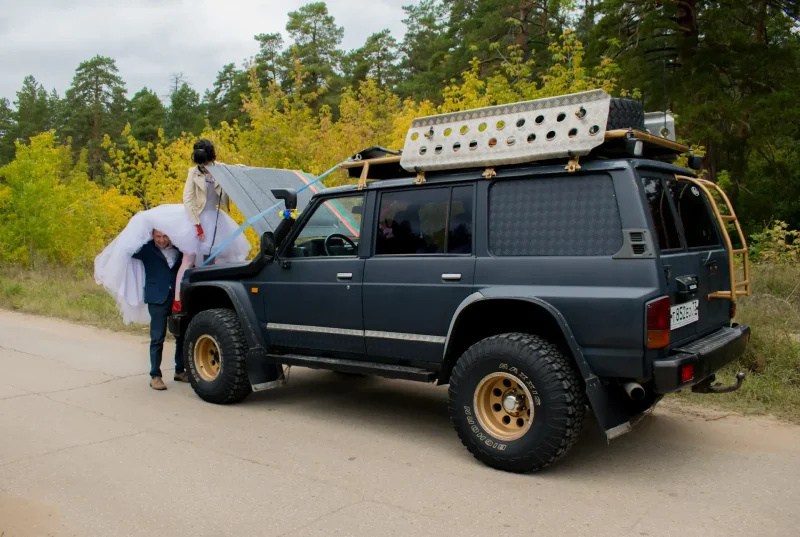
147,115
316,39
185,114
224,100
424,50
377,59
95,105
7,126
268,60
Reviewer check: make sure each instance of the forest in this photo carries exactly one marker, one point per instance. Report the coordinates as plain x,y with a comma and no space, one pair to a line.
75,167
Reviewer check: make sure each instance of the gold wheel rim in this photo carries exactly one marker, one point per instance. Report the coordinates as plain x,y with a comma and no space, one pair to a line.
207,358
504,406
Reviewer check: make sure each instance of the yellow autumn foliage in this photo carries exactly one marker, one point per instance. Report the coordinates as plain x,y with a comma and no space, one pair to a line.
55,212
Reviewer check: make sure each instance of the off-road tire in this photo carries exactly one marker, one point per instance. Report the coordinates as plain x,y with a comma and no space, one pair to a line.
232,384
625,114
550,376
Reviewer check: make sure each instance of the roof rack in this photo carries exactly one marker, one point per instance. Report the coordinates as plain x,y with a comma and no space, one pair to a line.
376,164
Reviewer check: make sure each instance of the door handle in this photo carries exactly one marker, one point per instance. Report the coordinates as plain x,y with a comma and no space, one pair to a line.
344,276
451,277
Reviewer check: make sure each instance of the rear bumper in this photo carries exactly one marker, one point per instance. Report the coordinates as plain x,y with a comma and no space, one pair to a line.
707,355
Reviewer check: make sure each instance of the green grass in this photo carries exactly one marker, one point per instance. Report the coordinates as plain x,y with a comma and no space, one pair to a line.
62,293
772,360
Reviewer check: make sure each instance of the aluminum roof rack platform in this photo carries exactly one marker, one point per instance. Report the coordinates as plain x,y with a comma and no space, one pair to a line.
556,127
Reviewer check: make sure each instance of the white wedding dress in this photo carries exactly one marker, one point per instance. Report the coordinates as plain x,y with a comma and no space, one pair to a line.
123,276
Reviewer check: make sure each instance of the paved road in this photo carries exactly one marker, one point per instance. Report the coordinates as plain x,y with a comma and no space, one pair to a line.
87,449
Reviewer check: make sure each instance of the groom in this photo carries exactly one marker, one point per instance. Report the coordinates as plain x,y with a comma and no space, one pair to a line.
161,262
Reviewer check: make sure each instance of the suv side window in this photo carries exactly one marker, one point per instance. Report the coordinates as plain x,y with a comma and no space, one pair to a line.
332,230
425,221
658,201
694,214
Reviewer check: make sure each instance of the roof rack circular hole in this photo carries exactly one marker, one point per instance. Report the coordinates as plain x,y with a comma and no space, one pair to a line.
573,133
464,129
482,127
531,138
448,131
501,125
539,120
551,135
473,145
423,150
594,129
414,135
520,122
511,141
493,142
561,117
456,146
437,149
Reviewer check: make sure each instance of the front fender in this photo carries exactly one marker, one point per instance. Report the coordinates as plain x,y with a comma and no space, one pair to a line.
260,371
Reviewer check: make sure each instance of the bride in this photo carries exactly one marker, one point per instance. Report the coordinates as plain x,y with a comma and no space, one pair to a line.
194,228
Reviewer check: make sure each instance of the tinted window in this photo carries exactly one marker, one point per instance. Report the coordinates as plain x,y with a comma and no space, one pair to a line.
662,214
694,214
559,216
335,217
416,222
459,233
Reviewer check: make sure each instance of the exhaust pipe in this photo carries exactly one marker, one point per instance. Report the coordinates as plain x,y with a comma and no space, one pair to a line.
634,391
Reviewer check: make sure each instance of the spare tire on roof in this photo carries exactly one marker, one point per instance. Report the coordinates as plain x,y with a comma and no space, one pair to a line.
625,114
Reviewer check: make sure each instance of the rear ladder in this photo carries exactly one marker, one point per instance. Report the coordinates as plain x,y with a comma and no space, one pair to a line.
738,288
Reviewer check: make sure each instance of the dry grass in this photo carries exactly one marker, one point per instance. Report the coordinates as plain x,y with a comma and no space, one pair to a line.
772,360
62,293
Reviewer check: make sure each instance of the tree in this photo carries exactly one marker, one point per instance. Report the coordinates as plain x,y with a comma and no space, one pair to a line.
147,115
95,105
33,110
268,59
729,73
7,127
315,44
424,50
377,59
185,113
224,100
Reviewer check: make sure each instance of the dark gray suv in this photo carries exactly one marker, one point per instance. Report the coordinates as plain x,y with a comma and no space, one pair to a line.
534,290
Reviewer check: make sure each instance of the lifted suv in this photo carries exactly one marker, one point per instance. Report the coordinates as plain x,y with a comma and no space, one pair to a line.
533,285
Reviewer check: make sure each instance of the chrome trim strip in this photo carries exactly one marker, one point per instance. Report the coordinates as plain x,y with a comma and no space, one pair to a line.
315,329
422,338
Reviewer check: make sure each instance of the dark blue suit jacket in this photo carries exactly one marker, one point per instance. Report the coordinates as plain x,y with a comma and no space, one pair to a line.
159,279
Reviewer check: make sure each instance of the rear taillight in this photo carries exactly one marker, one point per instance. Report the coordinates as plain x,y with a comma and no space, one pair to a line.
658,323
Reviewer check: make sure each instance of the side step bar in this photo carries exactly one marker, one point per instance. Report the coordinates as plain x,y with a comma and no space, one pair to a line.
356,366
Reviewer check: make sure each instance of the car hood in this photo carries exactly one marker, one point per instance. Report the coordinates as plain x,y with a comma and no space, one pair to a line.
250,190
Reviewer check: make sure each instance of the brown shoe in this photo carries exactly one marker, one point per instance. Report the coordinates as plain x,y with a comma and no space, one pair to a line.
157,384
181,377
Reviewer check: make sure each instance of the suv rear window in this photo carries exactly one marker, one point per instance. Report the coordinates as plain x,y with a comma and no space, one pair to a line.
558,216
660,210
693,212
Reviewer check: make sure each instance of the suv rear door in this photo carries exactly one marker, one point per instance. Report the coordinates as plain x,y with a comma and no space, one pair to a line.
694,259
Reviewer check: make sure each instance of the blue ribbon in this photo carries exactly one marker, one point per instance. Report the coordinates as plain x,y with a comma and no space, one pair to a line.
262,214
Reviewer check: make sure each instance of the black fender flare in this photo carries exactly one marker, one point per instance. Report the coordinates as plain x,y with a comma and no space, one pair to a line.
612,418
259,369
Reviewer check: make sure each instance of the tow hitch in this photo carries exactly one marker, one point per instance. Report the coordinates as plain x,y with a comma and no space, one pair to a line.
705,386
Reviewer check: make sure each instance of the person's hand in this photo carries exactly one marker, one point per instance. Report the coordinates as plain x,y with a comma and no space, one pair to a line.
201,236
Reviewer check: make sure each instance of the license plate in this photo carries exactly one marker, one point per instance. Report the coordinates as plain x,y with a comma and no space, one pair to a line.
683,314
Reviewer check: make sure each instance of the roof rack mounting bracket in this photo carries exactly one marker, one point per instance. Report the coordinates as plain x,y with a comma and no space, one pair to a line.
573,166
489,173
420,178
362,181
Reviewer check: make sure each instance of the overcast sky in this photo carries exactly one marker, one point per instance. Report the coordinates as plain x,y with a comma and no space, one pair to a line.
150,39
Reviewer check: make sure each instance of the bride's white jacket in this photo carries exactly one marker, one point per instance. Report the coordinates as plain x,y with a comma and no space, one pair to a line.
194,195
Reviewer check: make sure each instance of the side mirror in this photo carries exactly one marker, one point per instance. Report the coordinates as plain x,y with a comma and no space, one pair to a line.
288,195
696,162
268,246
